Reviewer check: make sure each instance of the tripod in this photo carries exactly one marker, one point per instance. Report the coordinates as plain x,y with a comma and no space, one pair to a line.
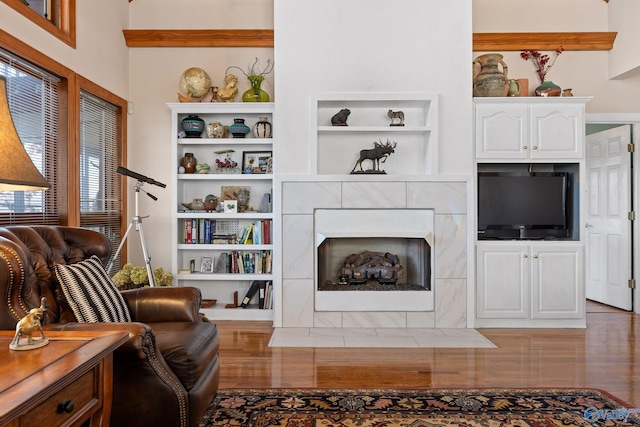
136,221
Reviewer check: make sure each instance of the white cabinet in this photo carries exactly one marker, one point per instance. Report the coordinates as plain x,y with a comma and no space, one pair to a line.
231,264
337,148
530,284
529,129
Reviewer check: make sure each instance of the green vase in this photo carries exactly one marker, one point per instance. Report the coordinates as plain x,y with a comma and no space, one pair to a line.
255,94
548,88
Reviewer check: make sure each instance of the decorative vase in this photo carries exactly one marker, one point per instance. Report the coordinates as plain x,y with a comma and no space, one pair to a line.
490,81
567,92
255,94
215,130
238,129
548,88
192,125
189,163
262,129
514,87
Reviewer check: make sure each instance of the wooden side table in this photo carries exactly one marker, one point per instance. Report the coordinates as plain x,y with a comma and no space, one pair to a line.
65,383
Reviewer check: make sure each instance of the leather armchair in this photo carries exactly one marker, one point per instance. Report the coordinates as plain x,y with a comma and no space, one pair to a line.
166,374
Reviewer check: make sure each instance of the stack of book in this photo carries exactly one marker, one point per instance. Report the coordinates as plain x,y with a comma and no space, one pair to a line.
264,290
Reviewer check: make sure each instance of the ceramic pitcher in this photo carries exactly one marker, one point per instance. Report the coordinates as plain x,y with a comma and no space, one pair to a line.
490,81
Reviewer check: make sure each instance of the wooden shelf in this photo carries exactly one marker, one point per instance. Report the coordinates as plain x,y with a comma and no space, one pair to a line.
264,38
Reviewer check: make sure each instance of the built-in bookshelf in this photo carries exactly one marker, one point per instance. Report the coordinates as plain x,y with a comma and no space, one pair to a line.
220,244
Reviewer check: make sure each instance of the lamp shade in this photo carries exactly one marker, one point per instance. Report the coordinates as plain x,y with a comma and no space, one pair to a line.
17,171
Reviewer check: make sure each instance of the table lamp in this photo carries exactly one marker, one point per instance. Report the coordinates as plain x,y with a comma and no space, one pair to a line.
17,171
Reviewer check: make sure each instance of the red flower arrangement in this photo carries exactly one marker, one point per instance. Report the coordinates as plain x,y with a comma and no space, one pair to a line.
541,61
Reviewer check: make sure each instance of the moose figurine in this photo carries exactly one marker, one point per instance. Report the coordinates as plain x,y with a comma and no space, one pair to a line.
377,155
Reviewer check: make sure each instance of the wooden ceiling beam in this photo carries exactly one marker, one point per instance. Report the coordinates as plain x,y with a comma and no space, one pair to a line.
543,41
264,38
199,38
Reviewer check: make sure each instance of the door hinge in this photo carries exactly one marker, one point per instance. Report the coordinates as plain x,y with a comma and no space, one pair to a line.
632,283
631,148
632,216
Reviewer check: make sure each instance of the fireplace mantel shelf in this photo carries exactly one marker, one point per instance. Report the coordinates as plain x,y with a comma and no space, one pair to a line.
265,38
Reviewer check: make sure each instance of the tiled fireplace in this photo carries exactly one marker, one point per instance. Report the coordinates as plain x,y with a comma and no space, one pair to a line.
429,209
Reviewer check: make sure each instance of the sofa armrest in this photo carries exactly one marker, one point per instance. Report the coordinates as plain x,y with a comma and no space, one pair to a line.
140,335
164,304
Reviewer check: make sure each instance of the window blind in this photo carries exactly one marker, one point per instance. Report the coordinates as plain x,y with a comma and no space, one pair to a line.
33,101
100,188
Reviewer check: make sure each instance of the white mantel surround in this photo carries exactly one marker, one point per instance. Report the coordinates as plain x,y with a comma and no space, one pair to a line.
447,196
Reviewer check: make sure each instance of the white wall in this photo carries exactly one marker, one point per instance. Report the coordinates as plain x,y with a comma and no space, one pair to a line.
338,46
100,55
624,59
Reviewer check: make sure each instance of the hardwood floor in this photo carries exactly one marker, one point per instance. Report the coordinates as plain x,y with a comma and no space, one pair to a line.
605,355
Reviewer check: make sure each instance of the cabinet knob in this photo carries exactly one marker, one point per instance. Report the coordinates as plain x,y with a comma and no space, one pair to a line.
535,256
535,147
65,406
525,256
525,148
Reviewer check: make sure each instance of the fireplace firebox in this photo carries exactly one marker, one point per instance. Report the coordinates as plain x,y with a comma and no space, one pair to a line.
374,259
374,264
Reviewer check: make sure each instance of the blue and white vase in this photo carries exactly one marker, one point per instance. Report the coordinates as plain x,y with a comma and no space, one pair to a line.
262,129
238,129
193,126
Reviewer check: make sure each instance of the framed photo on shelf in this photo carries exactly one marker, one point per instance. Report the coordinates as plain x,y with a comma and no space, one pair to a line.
230,206
256,162
206,265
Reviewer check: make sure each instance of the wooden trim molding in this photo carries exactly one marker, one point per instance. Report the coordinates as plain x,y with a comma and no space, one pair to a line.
198,38
264,38
543,41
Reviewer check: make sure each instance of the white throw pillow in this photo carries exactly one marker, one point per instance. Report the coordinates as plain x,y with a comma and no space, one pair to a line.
90,292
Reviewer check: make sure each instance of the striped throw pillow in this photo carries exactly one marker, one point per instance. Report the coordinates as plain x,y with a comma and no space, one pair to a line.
91,294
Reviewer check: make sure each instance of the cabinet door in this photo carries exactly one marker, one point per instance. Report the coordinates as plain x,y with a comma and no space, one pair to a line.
557,131
503,281
502,133
557,282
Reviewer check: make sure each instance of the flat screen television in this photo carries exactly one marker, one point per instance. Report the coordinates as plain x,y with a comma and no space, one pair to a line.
521,205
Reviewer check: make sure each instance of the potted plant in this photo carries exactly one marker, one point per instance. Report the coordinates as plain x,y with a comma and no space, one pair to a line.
132,277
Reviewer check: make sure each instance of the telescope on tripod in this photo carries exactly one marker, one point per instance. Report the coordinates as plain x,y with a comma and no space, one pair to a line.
136,221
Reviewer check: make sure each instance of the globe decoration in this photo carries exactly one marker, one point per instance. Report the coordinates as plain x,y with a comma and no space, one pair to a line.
195,81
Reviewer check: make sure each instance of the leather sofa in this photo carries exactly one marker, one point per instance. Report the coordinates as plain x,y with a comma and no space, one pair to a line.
166,374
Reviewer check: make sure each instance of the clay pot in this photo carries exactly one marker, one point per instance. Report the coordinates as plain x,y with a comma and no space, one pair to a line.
490,81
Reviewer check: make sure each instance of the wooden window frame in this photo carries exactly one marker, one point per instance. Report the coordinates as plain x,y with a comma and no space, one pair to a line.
63,26
69,124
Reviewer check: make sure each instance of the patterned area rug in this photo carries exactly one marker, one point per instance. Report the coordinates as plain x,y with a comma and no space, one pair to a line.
418,408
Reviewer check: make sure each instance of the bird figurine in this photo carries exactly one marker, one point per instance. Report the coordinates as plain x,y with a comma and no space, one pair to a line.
183,98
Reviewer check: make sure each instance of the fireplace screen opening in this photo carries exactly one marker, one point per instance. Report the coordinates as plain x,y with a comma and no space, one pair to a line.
374,264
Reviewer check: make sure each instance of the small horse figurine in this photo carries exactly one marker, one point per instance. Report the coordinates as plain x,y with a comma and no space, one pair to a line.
396,115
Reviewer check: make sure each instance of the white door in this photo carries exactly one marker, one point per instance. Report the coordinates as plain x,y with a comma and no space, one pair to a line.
608,228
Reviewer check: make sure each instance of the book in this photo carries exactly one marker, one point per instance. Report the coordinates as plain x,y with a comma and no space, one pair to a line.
253,289
189,234
262,289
